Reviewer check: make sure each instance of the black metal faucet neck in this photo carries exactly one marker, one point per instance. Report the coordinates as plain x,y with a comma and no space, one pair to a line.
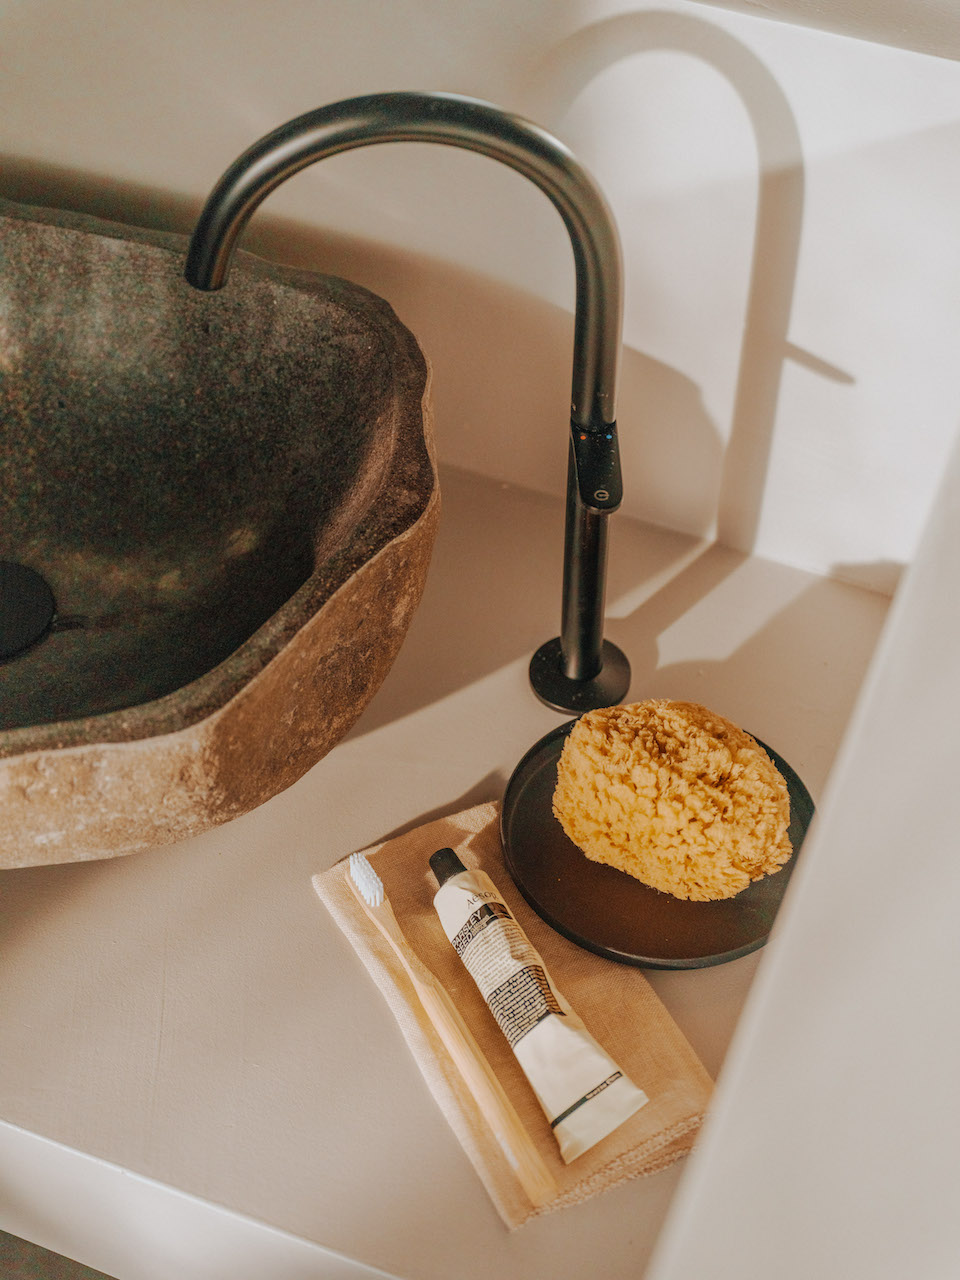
479,126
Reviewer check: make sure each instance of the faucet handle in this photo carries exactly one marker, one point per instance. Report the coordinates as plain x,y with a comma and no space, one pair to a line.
596,463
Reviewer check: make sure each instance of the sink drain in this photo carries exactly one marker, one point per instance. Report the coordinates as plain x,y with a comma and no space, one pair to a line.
27,607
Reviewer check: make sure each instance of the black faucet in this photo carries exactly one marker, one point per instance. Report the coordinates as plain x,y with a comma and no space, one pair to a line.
579,670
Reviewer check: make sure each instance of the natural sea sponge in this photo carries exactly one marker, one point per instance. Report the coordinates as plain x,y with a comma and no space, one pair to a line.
675,795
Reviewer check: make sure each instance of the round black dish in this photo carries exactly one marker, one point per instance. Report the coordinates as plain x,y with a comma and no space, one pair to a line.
610,913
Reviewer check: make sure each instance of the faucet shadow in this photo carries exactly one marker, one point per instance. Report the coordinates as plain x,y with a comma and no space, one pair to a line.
564,72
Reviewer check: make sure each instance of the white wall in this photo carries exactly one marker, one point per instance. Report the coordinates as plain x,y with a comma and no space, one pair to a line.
786,199
831,1146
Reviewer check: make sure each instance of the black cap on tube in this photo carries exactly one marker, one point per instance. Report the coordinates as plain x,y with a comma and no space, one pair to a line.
444,864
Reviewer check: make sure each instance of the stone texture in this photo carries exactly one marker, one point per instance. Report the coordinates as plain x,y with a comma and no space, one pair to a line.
234,499
20,1260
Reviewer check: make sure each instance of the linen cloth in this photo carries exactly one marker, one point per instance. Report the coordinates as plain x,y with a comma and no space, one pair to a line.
617,1004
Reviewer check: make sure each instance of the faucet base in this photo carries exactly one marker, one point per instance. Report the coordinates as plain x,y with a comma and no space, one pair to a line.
607,688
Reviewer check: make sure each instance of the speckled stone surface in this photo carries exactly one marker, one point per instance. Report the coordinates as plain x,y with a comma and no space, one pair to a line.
20,1260
233,498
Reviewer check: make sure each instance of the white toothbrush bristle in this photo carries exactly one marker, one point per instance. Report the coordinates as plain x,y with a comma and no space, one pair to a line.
366,880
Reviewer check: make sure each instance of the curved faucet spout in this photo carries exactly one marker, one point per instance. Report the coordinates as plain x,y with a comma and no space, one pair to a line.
594,486
459,122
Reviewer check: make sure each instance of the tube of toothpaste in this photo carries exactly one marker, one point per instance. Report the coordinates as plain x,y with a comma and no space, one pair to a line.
583,1092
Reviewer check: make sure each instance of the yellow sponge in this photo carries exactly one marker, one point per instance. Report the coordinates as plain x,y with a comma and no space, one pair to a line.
675,795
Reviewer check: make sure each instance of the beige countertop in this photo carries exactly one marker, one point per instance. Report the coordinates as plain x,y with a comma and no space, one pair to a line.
189,1022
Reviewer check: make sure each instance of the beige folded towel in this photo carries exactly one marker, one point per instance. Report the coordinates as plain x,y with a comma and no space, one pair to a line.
615,1001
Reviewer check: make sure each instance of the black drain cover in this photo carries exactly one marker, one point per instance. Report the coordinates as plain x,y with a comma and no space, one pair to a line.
27,607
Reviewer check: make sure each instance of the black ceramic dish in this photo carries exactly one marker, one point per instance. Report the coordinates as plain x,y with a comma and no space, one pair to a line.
610,913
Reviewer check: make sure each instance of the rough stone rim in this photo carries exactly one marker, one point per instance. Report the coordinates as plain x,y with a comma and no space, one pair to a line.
389,517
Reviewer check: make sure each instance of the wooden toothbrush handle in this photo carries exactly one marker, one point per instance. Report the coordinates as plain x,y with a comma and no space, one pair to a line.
497,1109
477,1074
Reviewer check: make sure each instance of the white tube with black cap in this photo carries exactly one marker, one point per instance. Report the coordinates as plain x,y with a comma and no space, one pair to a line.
584,1094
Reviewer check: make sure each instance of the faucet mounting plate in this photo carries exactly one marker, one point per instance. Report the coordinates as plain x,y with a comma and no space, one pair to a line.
558,691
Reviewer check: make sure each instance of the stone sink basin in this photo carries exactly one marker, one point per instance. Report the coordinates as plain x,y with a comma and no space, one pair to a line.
232,499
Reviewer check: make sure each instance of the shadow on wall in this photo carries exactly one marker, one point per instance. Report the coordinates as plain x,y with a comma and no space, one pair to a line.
566,70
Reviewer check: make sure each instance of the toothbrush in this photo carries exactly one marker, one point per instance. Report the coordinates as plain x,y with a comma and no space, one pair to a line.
487,1091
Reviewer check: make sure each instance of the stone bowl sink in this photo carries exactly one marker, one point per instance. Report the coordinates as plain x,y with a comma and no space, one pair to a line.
232,500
